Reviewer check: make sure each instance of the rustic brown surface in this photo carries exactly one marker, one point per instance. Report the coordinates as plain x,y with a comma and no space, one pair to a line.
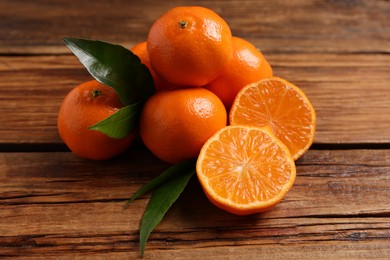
340,26
349,93
55,205
63,205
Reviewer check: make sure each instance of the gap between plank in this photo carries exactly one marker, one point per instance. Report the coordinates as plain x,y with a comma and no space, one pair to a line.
373,52
59,147
350,146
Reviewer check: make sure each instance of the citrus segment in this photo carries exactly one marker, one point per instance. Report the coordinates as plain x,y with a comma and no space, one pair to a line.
280,105
245,170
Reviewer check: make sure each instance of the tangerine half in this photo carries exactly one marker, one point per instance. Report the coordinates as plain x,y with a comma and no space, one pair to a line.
245,170
281,106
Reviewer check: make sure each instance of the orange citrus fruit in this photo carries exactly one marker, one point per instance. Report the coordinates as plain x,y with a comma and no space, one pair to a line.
84,106
141,51
280,105
245,170
175,124
189,45
247,65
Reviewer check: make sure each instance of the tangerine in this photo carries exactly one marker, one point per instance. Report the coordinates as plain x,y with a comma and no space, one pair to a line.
84,106
189,45
280,105
247,65
175,124
245,170
141,51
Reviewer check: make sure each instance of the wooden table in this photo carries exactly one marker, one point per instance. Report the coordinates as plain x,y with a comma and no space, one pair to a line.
55,205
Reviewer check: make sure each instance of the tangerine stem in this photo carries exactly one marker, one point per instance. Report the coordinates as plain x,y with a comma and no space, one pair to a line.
183,24
96,93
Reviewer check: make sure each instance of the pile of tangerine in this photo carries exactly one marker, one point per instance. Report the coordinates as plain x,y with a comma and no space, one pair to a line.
205,78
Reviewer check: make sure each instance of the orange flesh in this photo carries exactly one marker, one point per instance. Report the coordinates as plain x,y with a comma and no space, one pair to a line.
246,166
281,107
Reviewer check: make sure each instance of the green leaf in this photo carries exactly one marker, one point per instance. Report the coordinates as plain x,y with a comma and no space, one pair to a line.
170,173
120,124
114,66
160,202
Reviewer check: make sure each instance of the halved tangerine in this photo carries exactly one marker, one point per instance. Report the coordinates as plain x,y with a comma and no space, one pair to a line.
280,105
245,170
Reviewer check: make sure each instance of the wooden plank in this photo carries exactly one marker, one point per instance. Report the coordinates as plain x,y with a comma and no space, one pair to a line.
349,92
300,239
32,91
275,26
55,204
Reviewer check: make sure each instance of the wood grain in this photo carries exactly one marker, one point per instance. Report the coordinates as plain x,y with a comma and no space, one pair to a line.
359,26
54,205
349,92
338,207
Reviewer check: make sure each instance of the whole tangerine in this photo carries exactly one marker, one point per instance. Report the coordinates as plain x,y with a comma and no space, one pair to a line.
175,124
189,45
141,51
248,65
84,106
